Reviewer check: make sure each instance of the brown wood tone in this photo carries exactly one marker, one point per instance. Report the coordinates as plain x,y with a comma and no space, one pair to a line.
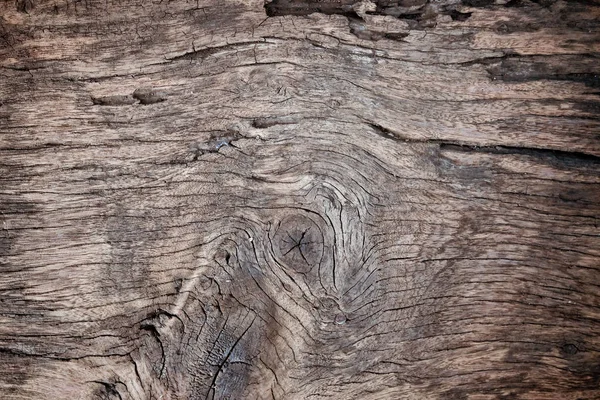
318,199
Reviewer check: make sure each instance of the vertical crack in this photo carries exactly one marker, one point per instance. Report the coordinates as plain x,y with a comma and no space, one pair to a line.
212,388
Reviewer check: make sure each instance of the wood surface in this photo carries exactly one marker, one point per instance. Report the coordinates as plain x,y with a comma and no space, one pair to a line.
299,200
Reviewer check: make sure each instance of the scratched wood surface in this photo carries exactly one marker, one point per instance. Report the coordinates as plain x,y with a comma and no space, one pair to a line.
299,199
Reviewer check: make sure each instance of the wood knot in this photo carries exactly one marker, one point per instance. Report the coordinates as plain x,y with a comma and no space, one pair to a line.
298,243
569,349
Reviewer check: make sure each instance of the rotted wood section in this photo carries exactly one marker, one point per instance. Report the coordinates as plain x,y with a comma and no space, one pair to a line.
299,200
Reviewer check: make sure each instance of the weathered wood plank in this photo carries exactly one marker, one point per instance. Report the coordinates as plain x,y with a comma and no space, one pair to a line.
244,200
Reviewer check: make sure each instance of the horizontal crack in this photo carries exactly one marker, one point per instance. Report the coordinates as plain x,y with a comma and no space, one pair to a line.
565,156
561,155
208,51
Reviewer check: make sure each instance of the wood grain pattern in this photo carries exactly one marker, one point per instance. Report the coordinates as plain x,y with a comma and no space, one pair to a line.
299,199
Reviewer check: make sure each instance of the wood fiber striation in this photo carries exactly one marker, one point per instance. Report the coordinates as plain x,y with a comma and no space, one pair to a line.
299,199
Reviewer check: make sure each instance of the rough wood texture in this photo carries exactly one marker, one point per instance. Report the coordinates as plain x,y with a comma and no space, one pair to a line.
232,200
